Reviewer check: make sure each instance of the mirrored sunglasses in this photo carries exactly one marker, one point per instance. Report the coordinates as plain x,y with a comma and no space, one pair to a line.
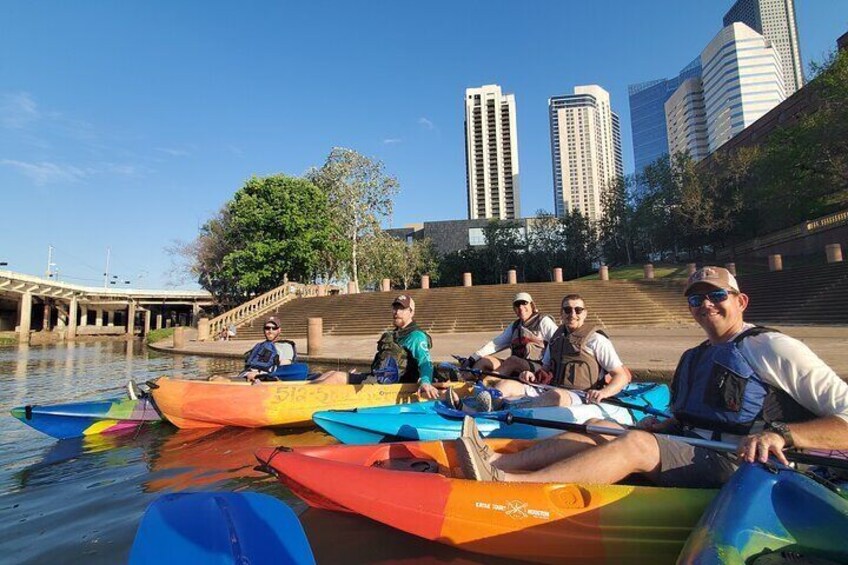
716,297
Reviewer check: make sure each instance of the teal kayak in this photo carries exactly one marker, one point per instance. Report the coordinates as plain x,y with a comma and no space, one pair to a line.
769,514
430,421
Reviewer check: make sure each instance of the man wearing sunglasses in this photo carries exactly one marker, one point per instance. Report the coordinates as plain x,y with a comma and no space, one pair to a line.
748,385
263,358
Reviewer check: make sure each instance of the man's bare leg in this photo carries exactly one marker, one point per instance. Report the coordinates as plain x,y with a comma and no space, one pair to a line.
330,378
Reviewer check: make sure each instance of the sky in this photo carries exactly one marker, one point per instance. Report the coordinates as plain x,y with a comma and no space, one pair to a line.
126,125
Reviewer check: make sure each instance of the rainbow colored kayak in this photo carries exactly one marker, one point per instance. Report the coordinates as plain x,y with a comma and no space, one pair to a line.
112,415
413,487
430,421
205,404
771,514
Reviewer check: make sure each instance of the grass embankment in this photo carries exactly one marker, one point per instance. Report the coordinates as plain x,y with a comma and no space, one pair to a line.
159,335
637,272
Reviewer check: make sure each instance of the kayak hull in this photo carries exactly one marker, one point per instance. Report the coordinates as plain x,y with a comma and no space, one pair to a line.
545,522
112,415
203,404
423,422
763,510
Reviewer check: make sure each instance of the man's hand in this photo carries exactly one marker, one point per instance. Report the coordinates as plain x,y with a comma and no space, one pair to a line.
427,390
251,375
757,447
595,396
527,377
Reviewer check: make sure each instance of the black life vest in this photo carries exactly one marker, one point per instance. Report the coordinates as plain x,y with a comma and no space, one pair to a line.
573,367
392,357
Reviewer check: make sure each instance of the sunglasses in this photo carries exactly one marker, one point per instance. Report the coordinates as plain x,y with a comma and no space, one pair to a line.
270,328
518,303
716,297
577,310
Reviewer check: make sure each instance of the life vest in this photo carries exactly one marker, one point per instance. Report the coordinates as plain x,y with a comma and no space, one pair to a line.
574,367
263,356
393,362
715,388
527,341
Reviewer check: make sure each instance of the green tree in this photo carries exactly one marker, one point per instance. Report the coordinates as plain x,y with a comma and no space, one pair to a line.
504,249
617,233
360,196
545,247
581,244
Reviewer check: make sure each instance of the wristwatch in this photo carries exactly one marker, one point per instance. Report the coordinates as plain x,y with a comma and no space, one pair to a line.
783,431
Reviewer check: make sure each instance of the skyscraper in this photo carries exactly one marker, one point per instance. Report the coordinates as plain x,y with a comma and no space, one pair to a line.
742,80
647,114
491,154
585,149
686,120
774,20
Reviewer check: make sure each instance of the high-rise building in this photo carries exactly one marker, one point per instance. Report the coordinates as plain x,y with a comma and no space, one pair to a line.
585,149
742,80
686,120
647,114
491,154
774,20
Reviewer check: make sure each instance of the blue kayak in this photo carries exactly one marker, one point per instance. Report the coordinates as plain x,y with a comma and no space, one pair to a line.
769,514
222,528
431,421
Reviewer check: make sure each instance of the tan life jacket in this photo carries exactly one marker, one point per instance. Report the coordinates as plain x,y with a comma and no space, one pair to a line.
574,367
527,341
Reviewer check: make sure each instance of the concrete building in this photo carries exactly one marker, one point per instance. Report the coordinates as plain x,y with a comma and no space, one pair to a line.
491,154
585,149
774,20
742,80
686,120
647,114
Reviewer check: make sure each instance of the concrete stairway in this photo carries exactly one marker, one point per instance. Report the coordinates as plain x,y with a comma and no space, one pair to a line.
483,308
807,295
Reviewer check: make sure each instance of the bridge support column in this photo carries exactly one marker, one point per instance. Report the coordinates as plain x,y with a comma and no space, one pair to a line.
425,282
649,271
603,273
48,311
25,321
72,319
195,314
834,252
147,315
131,320
775,262
83,316
61,318
98,317
511,277
557,274
158,321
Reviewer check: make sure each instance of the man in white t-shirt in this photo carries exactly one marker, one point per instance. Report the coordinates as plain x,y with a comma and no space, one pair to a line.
754,386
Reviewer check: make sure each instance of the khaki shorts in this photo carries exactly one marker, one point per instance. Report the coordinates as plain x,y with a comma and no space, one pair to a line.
684,465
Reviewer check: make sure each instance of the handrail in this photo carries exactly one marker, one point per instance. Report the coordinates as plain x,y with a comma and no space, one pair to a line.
259,305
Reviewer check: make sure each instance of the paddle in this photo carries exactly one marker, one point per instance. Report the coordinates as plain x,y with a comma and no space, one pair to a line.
610,400
220,527
797,457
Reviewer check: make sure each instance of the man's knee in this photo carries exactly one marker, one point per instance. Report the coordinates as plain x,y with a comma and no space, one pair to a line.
641,449
514,365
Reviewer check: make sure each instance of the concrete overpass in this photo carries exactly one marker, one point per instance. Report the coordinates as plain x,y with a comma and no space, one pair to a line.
29,303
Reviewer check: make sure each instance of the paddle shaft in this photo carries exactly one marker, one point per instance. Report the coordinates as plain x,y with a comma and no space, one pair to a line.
805,458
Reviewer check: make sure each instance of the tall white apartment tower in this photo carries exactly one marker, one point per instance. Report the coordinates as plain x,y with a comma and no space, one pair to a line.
774,20
742,80
686,120
491,154
585,149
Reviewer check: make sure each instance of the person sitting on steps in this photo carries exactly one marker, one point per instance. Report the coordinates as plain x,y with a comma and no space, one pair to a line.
404,351
748,385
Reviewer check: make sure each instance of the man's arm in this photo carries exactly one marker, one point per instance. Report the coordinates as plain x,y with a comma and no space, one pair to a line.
609,360
499,343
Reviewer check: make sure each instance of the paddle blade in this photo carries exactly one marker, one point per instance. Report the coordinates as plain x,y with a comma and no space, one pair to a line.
220,527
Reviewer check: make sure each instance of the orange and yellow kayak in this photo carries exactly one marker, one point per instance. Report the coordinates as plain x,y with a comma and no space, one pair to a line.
414,487
204,404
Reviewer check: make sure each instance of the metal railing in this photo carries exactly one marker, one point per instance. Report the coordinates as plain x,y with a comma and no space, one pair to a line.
258,306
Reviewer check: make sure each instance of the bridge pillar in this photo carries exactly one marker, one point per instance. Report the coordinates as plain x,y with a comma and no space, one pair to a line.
649,271
25,323
425,282
83,316
511,277
775,262
98,317
61,318
557,274
731,267
147,315
45,325
834,252
466,279
72,319
158,321
314,335
603,273
195,314
131,319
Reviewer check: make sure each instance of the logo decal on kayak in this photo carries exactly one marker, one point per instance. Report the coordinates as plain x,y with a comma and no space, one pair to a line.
515,509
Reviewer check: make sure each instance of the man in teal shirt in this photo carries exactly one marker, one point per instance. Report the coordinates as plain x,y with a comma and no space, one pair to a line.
409,347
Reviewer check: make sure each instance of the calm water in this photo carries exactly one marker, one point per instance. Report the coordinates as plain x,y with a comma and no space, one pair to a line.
81,500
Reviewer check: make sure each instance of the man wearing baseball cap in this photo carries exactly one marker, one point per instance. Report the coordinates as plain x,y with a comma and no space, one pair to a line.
406,348
755,387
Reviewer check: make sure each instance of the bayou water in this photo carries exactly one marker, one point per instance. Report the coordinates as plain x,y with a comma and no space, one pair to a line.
80,500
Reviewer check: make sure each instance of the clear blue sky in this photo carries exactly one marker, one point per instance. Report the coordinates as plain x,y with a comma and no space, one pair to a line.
128,124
